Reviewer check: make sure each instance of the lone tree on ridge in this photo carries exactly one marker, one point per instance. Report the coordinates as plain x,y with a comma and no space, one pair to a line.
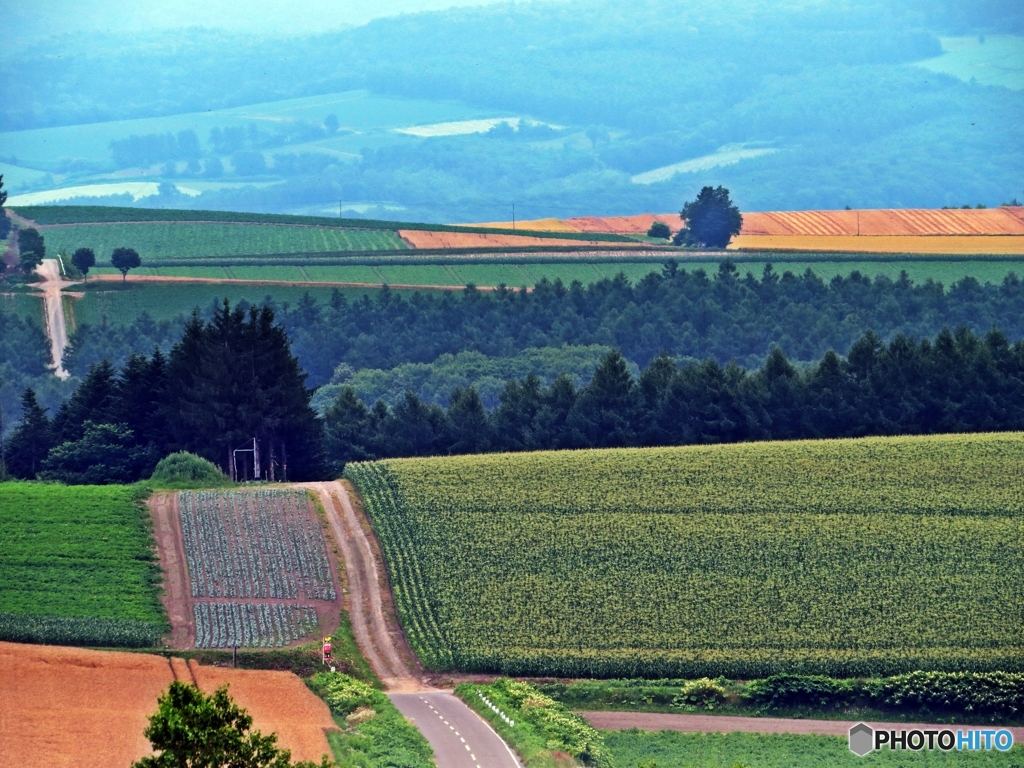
710,221
124,259
83,259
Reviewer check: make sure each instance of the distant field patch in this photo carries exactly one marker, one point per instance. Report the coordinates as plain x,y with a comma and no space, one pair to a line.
988,59
843,557
728,155
77,566
924,244
25,304
184,240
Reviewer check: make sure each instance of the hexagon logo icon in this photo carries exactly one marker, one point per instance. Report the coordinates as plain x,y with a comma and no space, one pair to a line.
862,737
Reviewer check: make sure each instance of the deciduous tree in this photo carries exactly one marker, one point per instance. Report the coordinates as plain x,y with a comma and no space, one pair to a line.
125,259
710,221
193,730
84,259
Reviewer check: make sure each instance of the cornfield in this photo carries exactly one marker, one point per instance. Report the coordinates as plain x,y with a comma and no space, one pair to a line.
853,557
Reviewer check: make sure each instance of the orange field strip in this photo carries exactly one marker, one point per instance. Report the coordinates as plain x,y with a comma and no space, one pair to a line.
925,244
425,239
908,222
624,225
537,225
75,708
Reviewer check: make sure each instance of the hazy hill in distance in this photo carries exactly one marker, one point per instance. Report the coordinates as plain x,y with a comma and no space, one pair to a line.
608,108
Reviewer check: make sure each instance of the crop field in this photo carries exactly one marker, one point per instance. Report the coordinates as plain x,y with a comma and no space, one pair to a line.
25,304
77,567
177,240
668,749
970,245
258,546
847,557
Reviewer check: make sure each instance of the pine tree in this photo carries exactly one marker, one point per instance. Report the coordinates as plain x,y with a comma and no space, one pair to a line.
31,440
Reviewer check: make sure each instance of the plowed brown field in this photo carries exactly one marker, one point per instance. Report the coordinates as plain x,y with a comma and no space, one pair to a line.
423,239
279,702
924,244
87,709
910,221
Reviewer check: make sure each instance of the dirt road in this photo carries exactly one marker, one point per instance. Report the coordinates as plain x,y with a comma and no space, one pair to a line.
656,721
170,544
460,737
53,308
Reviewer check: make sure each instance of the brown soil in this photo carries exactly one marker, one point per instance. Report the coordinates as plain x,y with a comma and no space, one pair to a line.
653,721
76,708
380,639
279,702
177,597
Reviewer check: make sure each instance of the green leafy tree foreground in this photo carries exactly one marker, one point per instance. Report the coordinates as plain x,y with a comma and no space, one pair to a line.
193,730
710,221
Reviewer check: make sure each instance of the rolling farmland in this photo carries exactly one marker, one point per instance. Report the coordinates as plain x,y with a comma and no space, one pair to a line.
842,557
183,240
77,567
258,566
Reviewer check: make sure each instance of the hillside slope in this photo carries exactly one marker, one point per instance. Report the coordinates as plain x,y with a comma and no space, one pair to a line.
841,557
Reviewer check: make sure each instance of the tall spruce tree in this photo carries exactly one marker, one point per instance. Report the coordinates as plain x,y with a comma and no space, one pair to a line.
31,440
234,379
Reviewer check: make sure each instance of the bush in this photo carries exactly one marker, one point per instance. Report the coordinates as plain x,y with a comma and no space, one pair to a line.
659,229
780,691
1000,693
701,694
344,695
186,470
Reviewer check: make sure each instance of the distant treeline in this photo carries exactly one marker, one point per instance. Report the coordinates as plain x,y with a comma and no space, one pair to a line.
959,382
233,379
724,315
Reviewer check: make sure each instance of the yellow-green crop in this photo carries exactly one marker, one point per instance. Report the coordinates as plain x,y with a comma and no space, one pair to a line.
877,555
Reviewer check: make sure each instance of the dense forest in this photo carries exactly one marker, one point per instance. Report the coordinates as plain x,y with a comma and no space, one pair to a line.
233,379
726,315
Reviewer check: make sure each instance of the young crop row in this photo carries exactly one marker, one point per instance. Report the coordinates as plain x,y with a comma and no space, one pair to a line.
157,241
228,625
78,630
77,565
841,557
254,544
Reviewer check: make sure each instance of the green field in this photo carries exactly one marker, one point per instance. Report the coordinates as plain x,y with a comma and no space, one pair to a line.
167,301
82,557
26,304
488,272
852,557
182,240
753,750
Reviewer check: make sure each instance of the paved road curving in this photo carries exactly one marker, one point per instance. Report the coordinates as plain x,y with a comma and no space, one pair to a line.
459,736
